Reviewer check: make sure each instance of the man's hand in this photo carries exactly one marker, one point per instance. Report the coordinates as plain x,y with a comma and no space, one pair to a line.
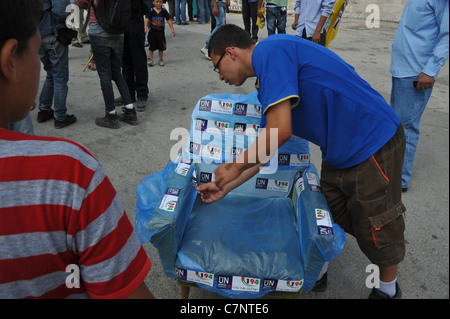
316,37
424,82
209,192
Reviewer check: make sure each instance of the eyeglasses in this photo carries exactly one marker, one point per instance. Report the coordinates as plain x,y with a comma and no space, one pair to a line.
216,67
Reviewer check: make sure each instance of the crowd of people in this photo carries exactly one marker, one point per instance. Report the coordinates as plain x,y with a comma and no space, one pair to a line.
57,205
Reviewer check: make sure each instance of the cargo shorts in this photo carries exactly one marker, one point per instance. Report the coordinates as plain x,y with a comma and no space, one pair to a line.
365,200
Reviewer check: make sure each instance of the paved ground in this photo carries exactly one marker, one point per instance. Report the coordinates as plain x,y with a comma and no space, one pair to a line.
131,153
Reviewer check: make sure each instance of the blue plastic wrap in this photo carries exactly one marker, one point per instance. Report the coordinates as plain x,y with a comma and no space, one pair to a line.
165,201
273,233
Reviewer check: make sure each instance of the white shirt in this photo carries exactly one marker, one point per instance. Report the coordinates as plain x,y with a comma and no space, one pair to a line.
310,12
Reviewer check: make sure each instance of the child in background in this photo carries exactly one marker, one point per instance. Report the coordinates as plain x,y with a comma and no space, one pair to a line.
156,38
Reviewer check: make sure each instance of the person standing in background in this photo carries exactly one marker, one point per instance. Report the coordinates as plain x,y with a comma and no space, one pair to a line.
249,15
419,50
134,60
55,58
276,15
311,19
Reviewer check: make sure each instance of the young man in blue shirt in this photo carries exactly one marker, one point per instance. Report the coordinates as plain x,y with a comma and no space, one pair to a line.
307,90
419,50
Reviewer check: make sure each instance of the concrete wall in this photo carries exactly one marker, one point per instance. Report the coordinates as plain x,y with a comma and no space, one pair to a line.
389,10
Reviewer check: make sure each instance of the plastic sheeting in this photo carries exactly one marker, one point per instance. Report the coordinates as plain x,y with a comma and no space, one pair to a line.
273,233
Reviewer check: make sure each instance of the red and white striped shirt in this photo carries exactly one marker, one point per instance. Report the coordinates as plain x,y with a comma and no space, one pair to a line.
57,209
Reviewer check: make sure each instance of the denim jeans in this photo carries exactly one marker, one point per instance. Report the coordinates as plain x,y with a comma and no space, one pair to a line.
409,103
108,60
203,14
276,19
180,10
220,19
55,58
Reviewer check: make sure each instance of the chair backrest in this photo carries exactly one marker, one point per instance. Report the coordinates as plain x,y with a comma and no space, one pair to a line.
223,126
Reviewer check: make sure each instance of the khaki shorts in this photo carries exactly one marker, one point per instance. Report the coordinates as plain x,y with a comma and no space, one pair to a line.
365,200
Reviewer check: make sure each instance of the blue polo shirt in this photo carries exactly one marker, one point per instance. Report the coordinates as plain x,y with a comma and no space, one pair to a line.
333,107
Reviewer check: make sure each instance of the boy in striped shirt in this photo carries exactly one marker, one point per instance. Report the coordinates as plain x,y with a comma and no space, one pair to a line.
63,230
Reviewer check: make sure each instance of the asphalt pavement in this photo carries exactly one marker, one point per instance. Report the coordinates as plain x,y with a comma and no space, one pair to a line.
131,153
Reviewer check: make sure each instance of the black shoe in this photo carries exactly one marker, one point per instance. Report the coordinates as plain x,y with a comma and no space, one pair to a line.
404,189
378,294
70,119
77,45
44,116
141,105
128,116
109,121
321,284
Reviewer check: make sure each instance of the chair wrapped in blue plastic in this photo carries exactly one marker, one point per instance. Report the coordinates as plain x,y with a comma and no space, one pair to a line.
272,233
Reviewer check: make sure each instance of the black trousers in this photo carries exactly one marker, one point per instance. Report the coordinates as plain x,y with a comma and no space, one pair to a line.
249,12
134,65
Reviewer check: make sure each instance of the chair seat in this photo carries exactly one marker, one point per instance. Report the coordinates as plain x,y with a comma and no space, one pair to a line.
250,237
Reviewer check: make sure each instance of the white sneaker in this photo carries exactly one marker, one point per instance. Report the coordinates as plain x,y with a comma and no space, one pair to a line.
205,52
161,62
150,62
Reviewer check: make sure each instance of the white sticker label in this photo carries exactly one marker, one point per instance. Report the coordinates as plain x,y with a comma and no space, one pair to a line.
170,199
211,152
217,127
300,186
299,160
323,218
277,185
223,107
182,169
289,285
245,284
324,224
200,277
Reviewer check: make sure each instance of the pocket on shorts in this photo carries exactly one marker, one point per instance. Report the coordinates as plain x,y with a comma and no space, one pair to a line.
389,227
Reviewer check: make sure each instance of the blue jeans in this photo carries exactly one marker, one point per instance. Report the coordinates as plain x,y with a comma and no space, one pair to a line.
55,58
181,10
220,19
276,19
108,60
409,103
203,14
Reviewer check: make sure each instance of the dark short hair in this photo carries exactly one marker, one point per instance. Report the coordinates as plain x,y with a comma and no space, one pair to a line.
229,35
19,19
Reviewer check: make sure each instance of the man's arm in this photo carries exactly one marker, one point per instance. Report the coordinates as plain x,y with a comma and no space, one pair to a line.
230,175
440,51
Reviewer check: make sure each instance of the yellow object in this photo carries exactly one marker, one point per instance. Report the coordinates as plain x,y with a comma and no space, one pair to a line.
335,19
261,22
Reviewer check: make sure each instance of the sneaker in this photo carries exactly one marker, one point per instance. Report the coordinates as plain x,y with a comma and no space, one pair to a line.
44,116
141,105
378,294
77,45
128,116
184,23
321,284
109,121
205,52
161,62
150,62
70,119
